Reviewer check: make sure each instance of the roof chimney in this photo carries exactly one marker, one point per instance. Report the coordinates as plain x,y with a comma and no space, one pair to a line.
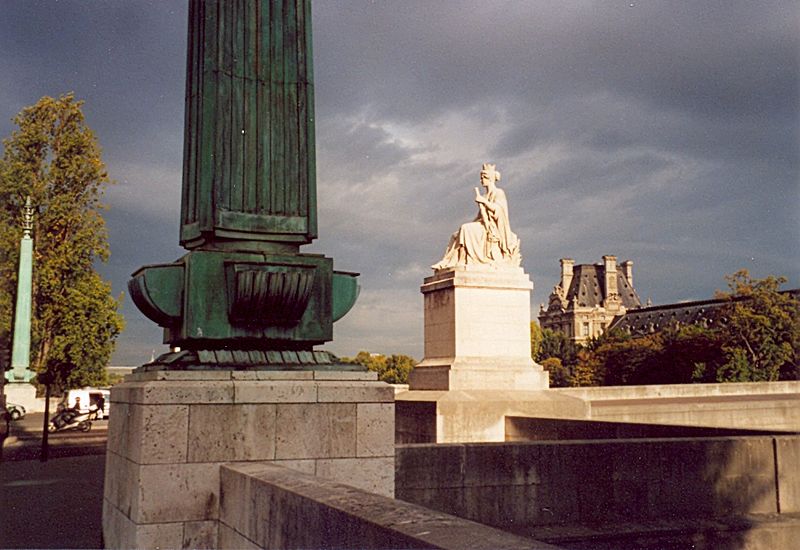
627,267
610,264
566,273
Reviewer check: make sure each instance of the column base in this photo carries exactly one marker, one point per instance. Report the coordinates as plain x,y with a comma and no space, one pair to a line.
170,430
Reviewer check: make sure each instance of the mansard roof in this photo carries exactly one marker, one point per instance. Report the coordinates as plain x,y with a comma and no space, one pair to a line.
646,320
654,318
587,288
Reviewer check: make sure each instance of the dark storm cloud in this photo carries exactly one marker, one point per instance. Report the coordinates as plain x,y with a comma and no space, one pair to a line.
662,132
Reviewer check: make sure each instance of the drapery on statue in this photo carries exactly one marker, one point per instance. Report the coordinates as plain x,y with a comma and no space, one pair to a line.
487,239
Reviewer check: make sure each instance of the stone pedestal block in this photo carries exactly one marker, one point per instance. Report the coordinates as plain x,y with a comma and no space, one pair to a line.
477,332
171,430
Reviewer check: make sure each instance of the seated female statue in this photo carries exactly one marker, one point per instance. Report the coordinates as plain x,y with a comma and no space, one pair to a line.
487,239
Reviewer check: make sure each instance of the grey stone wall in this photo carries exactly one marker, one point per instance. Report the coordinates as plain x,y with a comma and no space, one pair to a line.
521,428
268,506
602,482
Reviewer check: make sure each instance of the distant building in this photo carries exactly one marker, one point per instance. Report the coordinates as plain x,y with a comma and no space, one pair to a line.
705,313
593,298
588,298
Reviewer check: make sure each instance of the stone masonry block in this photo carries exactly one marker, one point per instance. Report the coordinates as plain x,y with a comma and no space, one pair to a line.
430,467
788,459
490,464
449,501
159,535
375,429
176,492
200,535
375,475
117,529
181,392
244,375
121,532
120,393
275,391
181,375
235,499
345,375
221,433
118,429
324,430
305,466
230,539
744,477
355,392
285,375
121,482
162,433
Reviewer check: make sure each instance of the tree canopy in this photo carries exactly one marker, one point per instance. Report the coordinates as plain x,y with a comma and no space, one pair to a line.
762,330
53,157
556,353
393,369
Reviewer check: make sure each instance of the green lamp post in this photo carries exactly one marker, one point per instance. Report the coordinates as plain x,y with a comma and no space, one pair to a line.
244,295
21,343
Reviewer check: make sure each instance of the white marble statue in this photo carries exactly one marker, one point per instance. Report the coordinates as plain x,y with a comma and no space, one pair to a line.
487,239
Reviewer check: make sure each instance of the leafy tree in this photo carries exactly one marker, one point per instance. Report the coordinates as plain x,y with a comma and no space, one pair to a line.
589,370
556,353
627,360
54,158
692,353
393,369
559,374
762,330
536,339
398,367
557,344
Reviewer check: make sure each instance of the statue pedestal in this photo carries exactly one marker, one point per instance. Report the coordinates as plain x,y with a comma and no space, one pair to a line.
170,431
477,332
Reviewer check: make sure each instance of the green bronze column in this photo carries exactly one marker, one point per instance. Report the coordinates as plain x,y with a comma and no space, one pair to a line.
21,347
245,294
248,175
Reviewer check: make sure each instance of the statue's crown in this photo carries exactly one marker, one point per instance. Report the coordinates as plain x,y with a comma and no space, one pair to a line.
490,169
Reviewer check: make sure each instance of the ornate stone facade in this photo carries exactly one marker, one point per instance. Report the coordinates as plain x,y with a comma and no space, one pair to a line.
588,298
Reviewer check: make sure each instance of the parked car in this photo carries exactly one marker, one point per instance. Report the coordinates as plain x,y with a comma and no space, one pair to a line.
15,411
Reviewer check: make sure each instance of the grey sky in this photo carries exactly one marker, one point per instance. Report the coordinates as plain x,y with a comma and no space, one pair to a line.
662,132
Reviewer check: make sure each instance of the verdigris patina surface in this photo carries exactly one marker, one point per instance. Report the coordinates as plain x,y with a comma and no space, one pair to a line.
245,295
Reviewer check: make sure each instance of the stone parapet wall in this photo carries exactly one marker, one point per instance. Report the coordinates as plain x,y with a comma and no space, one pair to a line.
544,484
749,405
520,428
681,390
316,513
